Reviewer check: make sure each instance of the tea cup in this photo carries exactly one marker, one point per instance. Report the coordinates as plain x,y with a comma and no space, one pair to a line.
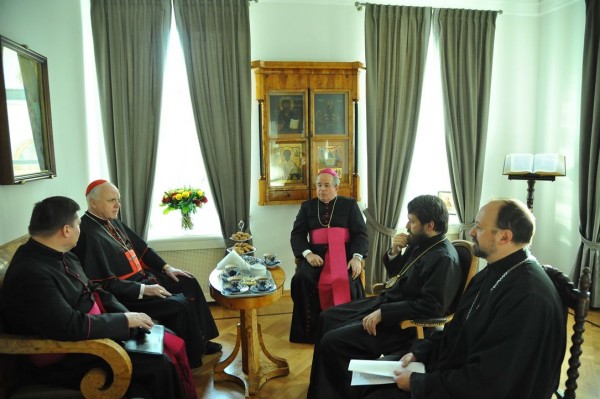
235,283
270,258
232,270
262,283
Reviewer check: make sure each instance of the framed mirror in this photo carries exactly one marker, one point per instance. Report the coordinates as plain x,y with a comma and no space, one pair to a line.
26,146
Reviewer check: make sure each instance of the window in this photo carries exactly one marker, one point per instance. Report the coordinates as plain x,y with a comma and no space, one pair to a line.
179,162
429,169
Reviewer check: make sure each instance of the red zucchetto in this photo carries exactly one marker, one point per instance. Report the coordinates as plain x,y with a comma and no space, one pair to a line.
93,185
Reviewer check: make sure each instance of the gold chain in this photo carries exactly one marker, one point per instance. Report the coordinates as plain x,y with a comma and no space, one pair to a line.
390,283
330,215
122,243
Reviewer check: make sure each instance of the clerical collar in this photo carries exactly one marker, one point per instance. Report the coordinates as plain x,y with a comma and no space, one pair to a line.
96,217
43,247
328,203
502,265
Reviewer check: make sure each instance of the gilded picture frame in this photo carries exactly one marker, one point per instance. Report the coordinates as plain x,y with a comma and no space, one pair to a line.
330,113
332,154
287,113
288,163
446,196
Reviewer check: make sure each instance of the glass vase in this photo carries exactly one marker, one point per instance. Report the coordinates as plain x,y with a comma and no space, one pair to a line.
186,221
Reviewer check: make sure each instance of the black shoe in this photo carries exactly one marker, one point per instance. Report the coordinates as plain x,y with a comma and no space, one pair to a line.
213,347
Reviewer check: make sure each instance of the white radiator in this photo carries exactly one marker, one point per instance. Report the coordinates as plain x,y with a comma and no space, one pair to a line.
199,262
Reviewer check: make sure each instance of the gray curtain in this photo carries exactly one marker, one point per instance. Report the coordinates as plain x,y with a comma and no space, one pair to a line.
396,40
589,159
215,37
130,43
466,43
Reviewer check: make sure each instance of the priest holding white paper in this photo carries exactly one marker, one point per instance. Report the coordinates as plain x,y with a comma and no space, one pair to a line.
507,337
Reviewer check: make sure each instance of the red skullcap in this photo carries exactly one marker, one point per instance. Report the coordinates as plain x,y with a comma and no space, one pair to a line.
329,171
93,185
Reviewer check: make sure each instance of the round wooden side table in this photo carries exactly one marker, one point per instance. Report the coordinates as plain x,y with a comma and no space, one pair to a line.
249,336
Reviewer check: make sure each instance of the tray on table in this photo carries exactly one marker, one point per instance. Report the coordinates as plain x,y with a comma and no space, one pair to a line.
252,260
248,285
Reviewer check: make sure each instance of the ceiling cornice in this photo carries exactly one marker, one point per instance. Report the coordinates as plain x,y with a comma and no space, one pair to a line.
531,8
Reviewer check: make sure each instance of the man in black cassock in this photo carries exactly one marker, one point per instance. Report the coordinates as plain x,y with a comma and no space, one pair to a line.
46,293
425,282
508,335
329,264
115,256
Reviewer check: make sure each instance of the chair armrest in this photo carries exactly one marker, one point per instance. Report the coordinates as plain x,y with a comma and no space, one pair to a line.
433,322
94,381
420,324
377,288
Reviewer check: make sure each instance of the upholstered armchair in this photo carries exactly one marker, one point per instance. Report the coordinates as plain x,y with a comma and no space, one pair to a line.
95,383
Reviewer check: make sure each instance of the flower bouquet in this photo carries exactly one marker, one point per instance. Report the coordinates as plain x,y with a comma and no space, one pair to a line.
185,199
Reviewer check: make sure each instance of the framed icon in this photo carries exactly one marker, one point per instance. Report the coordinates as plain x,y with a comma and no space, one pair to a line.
287,113
287,164
330,113
332,154
446,196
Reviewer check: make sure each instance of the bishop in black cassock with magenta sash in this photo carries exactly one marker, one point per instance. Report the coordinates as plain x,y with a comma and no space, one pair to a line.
330,232
118,258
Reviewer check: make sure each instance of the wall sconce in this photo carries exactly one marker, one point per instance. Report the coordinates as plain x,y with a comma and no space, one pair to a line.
532,167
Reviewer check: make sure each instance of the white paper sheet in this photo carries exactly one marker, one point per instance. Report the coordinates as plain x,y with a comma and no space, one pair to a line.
373,372
233,258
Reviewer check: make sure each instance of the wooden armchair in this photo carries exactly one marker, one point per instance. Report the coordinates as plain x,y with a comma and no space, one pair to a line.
578,301
468,264
93,385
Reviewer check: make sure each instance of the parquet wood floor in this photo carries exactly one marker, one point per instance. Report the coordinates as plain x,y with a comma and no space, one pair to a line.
275,321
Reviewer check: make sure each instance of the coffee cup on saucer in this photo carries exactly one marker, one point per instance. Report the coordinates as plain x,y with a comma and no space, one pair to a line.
235,283
232,270
262,283
270,258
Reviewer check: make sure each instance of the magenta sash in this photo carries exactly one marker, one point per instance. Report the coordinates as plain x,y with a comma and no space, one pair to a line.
334,286
175,350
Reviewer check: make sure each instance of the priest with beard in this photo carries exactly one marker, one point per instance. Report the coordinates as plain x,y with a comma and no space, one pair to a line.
425,281
508,336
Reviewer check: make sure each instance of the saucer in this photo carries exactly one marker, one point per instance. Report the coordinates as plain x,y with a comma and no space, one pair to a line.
243,289
271,288
272,264
252,260
225,276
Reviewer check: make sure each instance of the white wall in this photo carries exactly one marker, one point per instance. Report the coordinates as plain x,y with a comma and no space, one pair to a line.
298,32
534,104
557,130
53,29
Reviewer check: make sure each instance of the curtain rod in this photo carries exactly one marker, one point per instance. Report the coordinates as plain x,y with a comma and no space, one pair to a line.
360,5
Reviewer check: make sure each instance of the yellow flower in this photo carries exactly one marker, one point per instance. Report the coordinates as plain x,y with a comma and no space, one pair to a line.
178,197
185,194
200,193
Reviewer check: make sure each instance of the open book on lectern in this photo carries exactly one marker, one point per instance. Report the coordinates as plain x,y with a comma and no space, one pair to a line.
538,164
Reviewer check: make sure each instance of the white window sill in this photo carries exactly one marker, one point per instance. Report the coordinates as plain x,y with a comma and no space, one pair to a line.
187,243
